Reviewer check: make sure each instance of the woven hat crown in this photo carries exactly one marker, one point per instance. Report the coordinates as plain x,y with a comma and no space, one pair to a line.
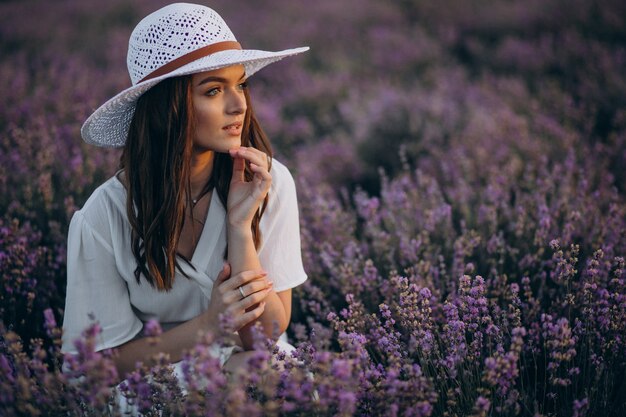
170,33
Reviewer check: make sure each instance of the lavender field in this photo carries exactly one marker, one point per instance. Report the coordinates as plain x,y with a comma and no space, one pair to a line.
461,172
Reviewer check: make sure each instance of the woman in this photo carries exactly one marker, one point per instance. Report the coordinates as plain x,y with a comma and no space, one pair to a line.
199,227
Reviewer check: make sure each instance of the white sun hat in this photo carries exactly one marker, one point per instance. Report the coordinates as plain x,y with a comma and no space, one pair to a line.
179,39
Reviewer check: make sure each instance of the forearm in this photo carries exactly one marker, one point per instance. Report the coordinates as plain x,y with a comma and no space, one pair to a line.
242,256
172,342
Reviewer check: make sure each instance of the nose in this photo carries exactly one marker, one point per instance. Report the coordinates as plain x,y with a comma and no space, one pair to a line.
236,102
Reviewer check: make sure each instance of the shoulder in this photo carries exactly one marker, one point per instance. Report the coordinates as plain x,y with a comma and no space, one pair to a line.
282,180
282,201
106,204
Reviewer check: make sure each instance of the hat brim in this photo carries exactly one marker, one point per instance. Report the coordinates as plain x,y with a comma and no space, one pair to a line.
108,125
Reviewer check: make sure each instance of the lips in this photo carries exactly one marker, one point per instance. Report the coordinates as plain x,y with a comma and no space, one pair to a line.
233,127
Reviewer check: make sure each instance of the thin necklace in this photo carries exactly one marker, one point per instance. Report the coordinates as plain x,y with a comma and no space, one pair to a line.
207,189
195,201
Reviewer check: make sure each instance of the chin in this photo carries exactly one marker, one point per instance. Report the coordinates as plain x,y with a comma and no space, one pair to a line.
223,146
234,142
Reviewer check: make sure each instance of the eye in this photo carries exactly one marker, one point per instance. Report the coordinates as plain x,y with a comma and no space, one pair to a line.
212,91
243,85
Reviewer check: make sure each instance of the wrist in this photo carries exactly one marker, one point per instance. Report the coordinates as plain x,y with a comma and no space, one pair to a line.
239,231
209,322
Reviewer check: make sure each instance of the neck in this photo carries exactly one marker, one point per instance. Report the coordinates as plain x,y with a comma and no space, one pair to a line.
201,170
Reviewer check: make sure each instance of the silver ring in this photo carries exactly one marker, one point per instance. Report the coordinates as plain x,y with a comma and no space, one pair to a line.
241,292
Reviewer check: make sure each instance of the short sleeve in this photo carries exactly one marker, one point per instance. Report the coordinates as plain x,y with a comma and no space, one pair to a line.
95,290
280,251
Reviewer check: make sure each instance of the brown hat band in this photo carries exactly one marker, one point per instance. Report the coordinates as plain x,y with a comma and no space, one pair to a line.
190,57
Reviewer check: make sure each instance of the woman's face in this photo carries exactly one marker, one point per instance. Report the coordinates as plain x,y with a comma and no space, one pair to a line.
219,107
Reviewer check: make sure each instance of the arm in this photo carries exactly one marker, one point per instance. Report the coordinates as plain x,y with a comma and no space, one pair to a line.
243,201
174,342
243,256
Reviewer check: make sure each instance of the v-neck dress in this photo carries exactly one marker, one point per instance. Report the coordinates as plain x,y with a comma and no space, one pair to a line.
101,285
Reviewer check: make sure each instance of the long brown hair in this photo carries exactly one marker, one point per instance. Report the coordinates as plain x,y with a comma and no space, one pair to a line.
156,162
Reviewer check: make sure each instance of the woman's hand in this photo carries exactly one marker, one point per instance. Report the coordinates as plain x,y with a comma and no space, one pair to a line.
245,198
240,297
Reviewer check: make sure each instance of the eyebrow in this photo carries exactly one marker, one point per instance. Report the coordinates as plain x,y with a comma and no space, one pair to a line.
219,79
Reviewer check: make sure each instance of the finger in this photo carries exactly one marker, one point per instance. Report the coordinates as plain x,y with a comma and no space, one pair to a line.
251,155
262,181
239,293
224,274
250,316
262,172
251,299
239,166
254,286
242,278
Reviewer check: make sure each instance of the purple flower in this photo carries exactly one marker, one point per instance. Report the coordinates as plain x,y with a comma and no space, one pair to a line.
152,328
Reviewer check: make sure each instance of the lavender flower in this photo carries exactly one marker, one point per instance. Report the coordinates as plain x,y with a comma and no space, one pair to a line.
461,192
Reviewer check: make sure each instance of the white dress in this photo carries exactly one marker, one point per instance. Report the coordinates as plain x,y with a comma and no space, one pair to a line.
101,284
